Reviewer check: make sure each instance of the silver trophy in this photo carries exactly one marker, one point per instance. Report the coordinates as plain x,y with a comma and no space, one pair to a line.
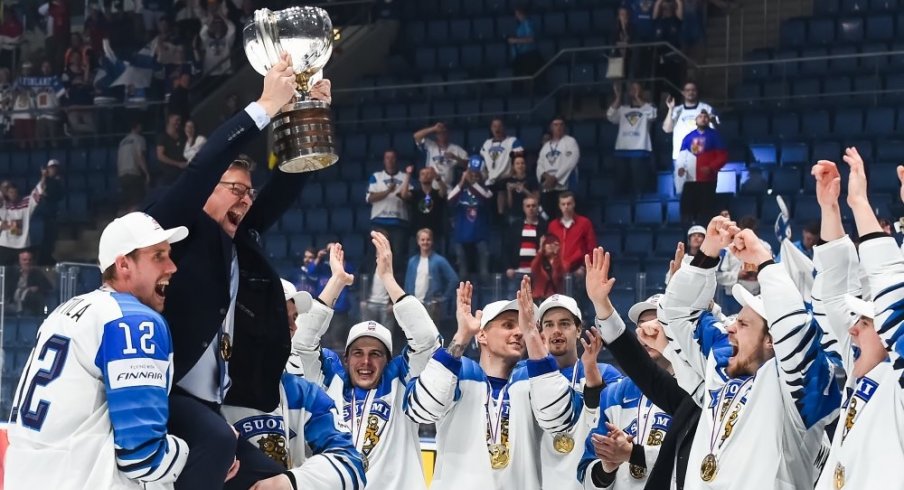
303,128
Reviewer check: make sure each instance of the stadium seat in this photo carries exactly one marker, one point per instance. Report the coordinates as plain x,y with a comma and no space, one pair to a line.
850,30
626,270
880,27
292,221
447,57
880,121
648,212
312,195
27,330
786,180
342,219
742,206
673,210
891,151
554,23
826,150
757,71
472,55
623,297
579,22
883,5
437,31
845,60
805,91
460,30
826,7
618,213
816,124
882,178
276,245
821,31
316,221
425,58
806,209
667,239
794,153
416,32
483,28
786,125
611,240
638,242
495,54
848,121
784,66
794,32
655,271
763,153
854,6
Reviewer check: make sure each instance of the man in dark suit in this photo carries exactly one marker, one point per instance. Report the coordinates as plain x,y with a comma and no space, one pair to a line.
226,305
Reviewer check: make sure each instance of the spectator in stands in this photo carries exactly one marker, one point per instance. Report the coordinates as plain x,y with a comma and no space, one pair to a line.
442,155
522,242
428,205
886,226
97,28
54,192
693,29
667,15
809,238
58,24
389,212
430,278
15,220
622,36
643,30
178,100
46,90
167,48
152,12
6,101
556,164
575,233
755,184
695,236
497,152
472,223
23,117
217,36
315,274
702,156
193,141
79,96
307,280
681,120
514,188
11,36
171,149
526,59
132,169
732,270
547,269
78,47
634,167
28,286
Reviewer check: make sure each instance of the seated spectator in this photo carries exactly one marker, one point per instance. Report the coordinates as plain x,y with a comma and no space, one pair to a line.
497,152
23,117
547,270
193,141
523,239
755,184
46,90
471,223
430,278
78,47
28,286
58,18
634,167
703,154
428,204
514,188
556,165
442,156
15,220
575,234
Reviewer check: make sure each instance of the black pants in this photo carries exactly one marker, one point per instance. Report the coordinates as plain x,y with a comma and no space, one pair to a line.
698,201
634,175
213,448
549,201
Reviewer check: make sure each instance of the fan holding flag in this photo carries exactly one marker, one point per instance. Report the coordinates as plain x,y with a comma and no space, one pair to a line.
702,155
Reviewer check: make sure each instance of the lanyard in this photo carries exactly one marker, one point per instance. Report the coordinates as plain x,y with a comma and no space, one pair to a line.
642,430
359,422
726,417
494,416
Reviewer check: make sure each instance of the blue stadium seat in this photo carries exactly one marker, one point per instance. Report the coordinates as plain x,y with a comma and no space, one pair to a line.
667,239
891,151
783,67
854,6
880,27
460,30
757,71
826,150
871,60
611,240
837,89
425,58
531,137
768,212
618,213
826,7
882,178
276,245
806,91
292,221
806,209
626,270
794,32
786,180
342,219
638,242
748,93
883,5
447,57
865,147
316,221
880,121
416,31
584,131
648,212
483,28
756,125
437,31
579,22
78,159
378,144
559,75
763,153
673,209
584,73
742,206
821,31
19,164
554,23
336,192
730,128
848,121
362,217
27,331
850,30
846,60
656,271
312,195
472,55
495,54
794,153
77,210
786,125
815,66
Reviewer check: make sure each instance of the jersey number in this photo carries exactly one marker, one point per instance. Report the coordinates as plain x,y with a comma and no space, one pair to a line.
146,346
59,345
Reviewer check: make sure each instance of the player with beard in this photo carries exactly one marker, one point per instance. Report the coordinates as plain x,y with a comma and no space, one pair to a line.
371,389
560,328
764,414
487,435
90,410
867,332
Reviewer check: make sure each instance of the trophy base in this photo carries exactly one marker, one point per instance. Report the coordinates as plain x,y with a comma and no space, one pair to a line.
303,137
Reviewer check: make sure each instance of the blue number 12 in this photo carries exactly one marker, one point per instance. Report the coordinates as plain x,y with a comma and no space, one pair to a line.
59,345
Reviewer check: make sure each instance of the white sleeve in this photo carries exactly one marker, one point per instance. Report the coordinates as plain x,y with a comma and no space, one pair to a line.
687,297
588,477
884,266
613,114
306,342
836,276
431,395
421,332
551,396
568,160
542,162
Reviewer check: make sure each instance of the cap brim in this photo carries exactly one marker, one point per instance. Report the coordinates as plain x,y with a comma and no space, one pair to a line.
746,298
487,318
302,300
638,309
860,307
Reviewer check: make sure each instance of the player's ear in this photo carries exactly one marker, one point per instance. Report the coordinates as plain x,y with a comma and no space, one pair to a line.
122,264
481,337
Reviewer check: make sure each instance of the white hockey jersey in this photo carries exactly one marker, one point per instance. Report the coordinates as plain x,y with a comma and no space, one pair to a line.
624,405
777,417
436,158
455,395
685,121
557,469
559,158
91,408
306,416
497,157
390,440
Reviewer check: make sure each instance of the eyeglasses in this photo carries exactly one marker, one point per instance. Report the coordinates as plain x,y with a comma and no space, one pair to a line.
240,190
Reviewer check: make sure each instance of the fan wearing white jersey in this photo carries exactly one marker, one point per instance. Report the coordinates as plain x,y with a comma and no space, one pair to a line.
681,120
497,152
305,418
764,414
487,429
873,409
373,383
442,155
90,410
560,328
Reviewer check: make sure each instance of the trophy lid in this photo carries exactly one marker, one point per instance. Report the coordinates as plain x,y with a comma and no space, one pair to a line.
306,33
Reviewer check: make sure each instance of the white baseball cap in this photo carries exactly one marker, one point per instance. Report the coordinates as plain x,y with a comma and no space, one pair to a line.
131,232
302,299
369,329
746,298
53,162
638,309
496,308
696,229
559,301
860,307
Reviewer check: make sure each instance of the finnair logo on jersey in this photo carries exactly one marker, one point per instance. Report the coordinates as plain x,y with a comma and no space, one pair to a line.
128,373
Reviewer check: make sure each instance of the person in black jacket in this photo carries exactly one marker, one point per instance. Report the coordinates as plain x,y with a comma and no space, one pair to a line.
225,304
654,381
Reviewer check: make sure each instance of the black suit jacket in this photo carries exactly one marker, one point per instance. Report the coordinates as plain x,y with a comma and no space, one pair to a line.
197,298
662,388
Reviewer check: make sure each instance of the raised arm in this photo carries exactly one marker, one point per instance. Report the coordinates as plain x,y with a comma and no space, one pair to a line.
431,395
806,376
422,133
668,124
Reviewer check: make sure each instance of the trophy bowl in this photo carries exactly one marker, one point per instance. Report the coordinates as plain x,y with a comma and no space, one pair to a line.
303,128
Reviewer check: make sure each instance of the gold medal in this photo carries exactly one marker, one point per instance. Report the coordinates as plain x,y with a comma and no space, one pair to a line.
499,456
225,347
563,443
708,468
839,476
637,472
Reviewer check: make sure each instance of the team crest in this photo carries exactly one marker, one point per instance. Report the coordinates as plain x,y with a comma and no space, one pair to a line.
375,424
274,446
633,117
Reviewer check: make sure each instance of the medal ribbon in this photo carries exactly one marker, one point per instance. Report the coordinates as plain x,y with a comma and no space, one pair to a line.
718,425
359,423
642,431
494,417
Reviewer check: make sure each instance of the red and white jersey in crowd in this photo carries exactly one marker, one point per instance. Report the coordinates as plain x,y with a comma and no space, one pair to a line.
685,121
15,220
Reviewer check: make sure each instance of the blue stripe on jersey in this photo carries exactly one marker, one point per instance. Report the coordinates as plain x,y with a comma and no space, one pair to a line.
708,334
539,367
815,394
893,321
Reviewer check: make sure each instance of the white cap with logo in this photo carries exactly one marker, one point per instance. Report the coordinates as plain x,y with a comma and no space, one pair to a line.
302,299
696,229
860,307
369,329
746,298
559,301
650,304
496,308
131,232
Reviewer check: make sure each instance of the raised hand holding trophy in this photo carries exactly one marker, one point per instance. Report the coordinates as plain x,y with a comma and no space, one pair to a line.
303,128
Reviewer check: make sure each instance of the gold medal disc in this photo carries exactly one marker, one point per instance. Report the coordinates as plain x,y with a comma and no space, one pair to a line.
638,472
839,476
225,346
708,468
499,456
563,443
